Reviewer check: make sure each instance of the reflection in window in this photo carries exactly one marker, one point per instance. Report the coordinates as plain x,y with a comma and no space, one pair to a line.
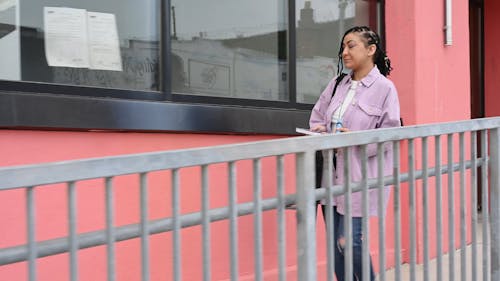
320,26
136,24
229,48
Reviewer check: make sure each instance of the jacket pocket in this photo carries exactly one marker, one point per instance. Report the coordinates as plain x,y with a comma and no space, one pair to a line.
370,109
368,116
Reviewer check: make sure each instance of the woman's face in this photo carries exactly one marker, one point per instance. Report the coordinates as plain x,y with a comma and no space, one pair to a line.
356,54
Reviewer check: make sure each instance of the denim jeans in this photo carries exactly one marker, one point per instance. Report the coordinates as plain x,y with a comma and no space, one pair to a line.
357,242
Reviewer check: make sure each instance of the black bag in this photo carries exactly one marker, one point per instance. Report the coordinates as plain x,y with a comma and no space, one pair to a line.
319,168
319,154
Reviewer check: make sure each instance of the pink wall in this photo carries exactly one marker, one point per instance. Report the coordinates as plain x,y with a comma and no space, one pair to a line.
432,79
401,49
29,147
433,82
491,58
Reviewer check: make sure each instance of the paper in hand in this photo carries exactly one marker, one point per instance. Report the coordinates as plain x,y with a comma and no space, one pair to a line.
307,132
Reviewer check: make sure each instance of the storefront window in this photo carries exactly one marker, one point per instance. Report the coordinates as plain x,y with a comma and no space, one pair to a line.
320,26
97,43
235,49
269,59
230,48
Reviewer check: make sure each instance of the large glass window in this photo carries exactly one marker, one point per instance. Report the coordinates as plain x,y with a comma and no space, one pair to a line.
230,48
320,26
97,43
263,54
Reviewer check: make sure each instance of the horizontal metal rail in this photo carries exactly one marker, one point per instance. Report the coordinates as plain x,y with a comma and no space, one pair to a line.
133,231
42,174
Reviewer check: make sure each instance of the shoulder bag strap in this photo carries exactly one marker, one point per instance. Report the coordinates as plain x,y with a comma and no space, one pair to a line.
337,82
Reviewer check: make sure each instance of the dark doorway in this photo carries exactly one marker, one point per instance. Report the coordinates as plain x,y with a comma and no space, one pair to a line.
476,20
476,37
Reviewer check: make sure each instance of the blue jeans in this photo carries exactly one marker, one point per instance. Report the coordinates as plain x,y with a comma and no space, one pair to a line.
357,246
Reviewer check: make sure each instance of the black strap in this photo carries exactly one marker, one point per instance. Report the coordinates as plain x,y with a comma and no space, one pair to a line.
337,82
319,155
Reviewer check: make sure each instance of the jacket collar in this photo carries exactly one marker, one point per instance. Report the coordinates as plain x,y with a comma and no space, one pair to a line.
369,79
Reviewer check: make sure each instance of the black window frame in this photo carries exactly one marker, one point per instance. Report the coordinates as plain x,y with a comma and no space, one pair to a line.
34,105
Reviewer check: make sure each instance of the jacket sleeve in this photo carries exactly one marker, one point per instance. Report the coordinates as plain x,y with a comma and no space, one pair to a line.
319,109
389,118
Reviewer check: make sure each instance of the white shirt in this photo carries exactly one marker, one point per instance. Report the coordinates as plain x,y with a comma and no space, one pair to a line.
339,113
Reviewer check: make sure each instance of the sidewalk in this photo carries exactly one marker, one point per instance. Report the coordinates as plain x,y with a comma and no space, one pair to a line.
405,268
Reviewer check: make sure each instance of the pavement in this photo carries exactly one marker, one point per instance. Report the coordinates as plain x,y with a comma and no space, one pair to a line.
446,276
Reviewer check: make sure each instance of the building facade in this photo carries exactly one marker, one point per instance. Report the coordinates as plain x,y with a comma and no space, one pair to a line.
103,78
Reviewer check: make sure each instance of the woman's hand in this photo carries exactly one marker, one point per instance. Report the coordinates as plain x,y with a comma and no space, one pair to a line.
318,129
343,130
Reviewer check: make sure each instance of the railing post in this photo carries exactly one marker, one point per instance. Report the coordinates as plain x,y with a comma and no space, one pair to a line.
306,218
495,202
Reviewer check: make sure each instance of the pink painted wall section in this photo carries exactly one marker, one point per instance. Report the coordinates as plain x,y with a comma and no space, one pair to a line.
30,147
400,32
491,58
443,72
433,83
432,79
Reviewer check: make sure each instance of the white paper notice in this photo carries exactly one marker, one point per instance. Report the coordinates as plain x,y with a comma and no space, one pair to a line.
104,46
66,41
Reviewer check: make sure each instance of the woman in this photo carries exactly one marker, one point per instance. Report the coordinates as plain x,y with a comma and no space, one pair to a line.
364,99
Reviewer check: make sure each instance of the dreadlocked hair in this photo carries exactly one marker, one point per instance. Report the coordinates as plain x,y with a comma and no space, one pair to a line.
380,58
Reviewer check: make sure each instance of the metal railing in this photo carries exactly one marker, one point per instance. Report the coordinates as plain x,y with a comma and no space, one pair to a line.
482,133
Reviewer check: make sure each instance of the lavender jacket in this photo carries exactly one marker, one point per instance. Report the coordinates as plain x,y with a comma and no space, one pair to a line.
374,105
